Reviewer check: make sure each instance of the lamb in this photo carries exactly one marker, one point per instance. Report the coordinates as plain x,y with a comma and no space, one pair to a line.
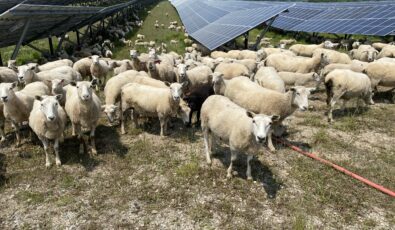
381,73
26,74
55,64
346,84
300,79
139,61
268,77
285,63
305,50
154,102
231,70
333,56
83,109
112,90
7,75
245,131
83,66
17,105
161,71
364,53
48,120
387,51
251,96
100,69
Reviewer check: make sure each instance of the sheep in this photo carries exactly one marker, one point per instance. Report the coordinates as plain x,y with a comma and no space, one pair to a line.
99,69
218,54
83,67
364,53
257,99
333,56
268,77
11,64
210,62
139,61
2,123
386,59
379,45
355,44
17,105
381,73
197,77
151,101
8,75
172,27
305,50
346,84
83,109
161,71
126,65
251,65
195,100
249,54
270,51
188,41
244,131
26,74
189,49
387,51
55,64
58,87
300,79
108,54
48,120
126,42
174,42
285,63
140,37
231,70
287,41
112,90
330,45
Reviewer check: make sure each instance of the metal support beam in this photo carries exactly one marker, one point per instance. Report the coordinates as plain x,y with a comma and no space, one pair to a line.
1,60
60,43
50,45
18,45
90,31
258,40
246,40
78,37
37,49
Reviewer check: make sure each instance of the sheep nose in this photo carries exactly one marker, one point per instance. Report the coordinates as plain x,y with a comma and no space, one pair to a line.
4,98
304,108
261,139
51,118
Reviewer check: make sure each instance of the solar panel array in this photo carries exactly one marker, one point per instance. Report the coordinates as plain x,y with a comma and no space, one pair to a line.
215,22
48,20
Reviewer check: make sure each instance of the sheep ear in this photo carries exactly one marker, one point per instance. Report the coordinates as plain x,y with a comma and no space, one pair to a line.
14,84
33,67
311,89
73,83
39,98
293,89
94,82
275,118
184,84
59,97
250,114
167,83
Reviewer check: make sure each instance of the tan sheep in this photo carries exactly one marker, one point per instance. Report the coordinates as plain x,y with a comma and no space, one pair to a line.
48,120
83,109
285,63
300,79
387,51
305,50
381,73
268,77
364,53
26,74
270,51
139,62
197,77
346,84
161,71
231,70
8,75
333,56
100,69
244,131
83,67
55,64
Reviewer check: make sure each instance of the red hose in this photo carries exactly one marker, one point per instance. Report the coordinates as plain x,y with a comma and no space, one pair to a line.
339,168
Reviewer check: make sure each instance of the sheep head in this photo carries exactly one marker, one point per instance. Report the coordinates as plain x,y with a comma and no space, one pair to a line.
26,73
84,89
300,97
261,125
7,91
49,106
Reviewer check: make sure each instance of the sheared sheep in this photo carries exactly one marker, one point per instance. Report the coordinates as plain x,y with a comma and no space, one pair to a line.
26,74
139,62
305,50
55,64
244,131
285,63
83,67
8,75
83,109
346,84
161,71
268,77
387,51
364,53
333,56
163,103
99,69
48,120
231,70
381,73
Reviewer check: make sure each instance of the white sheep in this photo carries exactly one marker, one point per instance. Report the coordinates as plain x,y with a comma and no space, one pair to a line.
126,65
161,71
83,66
140,36
305,50
163,103
302,79
100,68
285,63
287,41
174,42
270,51
188,41
48,120
231,70
364,53
26,74
387,51
379,45
268,77
83,109
244,131
17,105
59,86
381,73
55,64
8,75
333,56
346,84
139,62
386,59
197,77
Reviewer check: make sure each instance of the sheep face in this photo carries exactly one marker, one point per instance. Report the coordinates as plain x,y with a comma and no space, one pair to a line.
217,82
57,86
151,65
49,106
134,54
182,72
7,91
300,97
84,89
110,110
95,59
25,73
261,125
176,90
260,55
371,55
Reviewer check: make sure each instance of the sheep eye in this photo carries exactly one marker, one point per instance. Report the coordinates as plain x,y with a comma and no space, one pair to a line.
298,94
253,121
56,104
270,123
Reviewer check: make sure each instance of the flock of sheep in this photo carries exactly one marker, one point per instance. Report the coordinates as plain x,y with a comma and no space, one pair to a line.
240,96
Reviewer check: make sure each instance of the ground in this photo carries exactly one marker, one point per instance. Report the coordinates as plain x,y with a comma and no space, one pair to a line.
142,181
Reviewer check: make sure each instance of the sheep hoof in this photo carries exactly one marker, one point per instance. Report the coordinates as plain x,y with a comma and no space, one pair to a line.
47,164
229,176
58,163
249,178
94,152
272,150
2,139
209,162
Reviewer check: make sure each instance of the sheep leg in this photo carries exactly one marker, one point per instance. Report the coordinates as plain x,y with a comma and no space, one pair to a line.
135,118
233,157
93,144
56,149
81,138
207,144
46,145
270,143
333,101
73,132
2,133
123,120
248,173
162,122
17,134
